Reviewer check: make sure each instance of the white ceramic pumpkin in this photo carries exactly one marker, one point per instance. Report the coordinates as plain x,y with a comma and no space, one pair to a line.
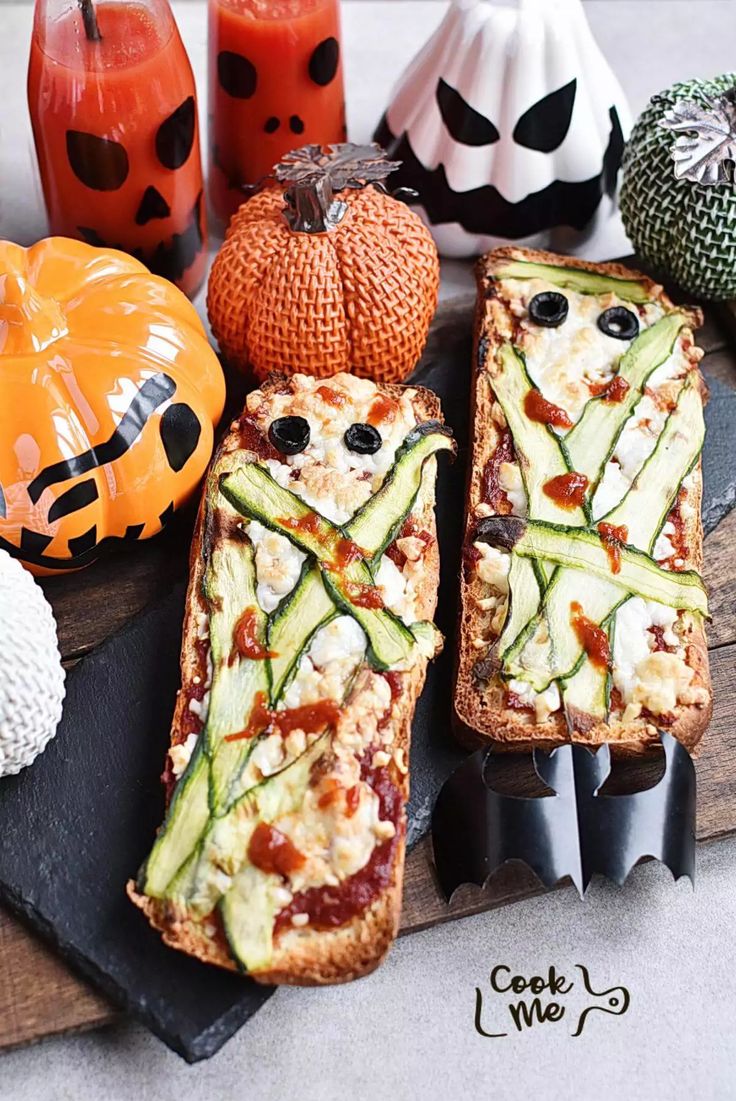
31,673
510,125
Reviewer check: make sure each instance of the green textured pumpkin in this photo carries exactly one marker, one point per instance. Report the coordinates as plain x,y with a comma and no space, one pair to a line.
678,196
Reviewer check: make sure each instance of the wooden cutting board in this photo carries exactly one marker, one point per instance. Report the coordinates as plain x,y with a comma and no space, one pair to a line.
39,996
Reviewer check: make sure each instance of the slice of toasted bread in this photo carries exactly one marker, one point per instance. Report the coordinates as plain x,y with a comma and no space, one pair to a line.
306,954
485,711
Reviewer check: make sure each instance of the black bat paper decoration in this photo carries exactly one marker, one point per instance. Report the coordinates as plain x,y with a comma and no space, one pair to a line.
575,832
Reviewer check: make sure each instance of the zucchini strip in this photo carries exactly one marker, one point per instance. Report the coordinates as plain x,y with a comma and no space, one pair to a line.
537,446
255,494
573,279
582,549
592,441
676,452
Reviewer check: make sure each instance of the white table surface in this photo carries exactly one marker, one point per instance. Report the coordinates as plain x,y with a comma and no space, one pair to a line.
407,1031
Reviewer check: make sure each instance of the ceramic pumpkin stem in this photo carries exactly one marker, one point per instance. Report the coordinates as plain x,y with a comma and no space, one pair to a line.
315,174
28,321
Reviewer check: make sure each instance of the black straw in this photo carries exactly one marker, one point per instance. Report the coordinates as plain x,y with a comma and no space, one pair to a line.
89,19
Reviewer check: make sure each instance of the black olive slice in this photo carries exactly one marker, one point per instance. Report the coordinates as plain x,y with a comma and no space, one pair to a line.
289,435
549,308
364,439
619,323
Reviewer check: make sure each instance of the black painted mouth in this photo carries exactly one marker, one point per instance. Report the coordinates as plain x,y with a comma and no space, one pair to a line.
172,258
485,211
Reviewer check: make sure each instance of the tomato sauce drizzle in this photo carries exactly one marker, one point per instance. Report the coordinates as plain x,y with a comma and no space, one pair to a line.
383,408
252,439
328,907
362,595
341,551
538,409
331,397
245,637
592,638
613,390
273,852
491,491
612,538
567,490
310,717
515,703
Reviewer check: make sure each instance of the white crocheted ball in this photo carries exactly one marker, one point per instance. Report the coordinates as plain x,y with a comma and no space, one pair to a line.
31,673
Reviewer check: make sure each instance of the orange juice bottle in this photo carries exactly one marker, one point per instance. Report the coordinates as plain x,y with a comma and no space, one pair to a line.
114,113
275,83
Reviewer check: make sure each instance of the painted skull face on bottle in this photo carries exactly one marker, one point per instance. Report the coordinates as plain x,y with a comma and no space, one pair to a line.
509,124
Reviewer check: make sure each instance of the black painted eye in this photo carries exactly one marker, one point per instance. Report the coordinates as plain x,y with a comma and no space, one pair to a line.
236,74
175,135
464,123
544,126
289,435
296,125
549,308
363,439
99,163
324,61
180,431
619,323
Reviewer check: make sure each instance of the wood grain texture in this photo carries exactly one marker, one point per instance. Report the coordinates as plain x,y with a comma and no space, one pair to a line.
39,996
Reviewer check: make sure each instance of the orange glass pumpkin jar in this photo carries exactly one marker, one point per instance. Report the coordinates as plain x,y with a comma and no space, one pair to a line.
330,275
110,393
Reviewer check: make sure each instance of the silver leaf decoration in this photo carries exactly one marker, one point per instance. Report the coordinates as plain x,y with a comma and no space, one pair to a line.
706,141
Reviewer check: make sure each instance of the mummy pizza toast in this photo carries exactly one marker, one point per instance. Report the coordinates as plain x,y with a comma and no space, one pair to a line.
581,605
314,574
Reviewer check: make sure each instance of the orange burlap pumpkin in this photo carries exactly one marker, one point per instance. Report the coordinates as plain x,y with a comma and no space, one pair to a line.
357,293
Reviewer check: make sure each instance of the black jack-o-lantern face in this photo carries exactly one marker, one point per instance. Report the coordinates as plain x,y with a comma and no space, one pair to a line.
105,165
509,125
289,104
542,129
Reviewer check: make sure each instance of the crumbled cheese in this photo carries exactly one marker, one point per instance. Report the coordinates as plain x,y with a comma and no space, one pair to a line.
341,639
510,481
663,548
299,920
633,647
200,707
202,622
411,547
493,566
611,490
544,703
662,680
639,437
278,565
268,754
181,754
392,584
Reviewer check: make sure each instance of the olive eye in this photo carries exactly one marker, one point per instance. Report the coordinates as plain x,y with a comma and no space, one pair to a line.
619,323
289,435
548,309
364,439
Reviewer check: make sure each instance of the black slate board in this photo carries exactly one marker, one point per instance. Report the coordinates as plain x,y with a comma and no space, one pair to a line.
76,826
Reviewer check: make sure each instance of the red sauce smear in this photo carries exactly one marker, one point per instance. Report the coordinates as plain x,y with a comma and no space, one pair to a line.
352,800
617,700
382,408
330,396
410,529
515,703
567,489
616,390
310,718
592,638
612,538
538,409
677,539
272,851
342,551
252,439
491,491
328,907
362,595
658,634
395,683
245,637
667,718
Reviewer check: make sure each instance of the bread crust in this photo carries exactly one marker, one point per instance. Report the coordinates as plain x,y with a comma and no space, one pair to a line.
480,715
307,956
